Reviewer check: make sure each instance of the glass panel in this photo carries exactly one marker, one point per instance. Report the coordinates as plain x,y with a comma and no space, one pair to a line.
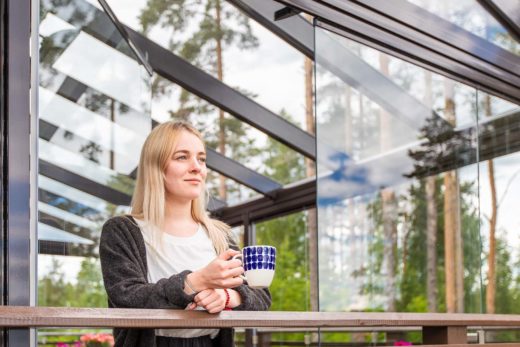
94,114
500,185
254,61
243,143
471,16
291,289
397,185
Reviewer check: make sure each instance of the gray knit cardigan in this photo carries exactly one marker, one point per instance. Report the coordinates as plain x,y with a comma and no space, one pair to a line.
123,263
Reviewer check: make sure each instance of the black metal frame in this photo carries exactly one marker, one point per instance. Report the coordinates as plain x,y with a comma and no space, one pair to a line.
458,54
340,61
196,81
241,174
84,184
291,198
506,12
140,56
16,71
207,87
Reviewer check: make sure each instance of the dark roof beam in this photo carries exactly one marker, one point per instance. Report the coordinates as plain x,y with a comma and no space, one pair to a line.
339,60
396,37
221,95
241,174
507,13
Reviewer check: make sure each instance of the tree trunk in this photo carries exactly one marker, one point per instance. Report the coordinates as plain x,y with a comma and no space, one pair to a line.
452,236
431,244
389,249
491,286
431,218
222,191
389,204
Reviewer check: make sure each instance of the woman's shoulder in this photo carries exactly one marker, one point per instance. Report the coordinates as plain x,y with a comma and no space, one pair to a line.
125,222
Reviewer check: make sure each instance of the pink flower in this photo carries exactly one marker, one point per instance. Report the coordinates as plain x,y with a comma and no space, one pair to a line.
402,343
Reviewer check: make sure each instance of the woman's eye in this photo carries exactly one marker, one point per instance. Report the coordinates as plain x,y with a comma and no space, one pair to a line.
182,157
202,160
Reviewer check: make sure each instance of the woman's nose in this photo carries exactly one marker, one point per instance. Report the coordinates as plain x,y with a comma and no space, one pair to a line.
195,166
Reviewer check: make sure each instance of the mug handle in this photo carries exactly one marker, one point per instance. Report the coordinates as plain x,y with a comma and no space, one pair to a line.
240,255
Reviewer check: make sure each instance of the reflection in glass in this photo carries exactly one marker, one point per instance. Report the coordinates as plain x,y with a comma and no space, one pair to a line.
189,30
499,222
94,114
397,184
471,16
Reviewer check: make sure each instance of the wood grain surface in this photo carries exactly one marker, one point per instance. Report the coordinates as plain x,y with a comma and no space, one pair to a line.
18,316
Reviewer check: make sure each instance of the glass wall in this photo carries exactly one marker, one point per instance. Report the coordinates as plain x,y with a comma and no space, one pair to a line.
94,114
398,184
417,176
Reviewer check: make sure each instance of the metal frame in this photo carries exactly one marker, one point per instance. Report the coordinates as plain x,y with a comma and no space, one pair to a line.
291,198
394,33
241,174
506,12
140,56
340,61
84,184
294,30
181,72
196,81
16,179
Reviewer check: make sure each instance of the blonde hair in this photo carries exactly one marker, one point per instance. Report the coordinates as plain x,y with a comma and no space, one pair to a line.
148,201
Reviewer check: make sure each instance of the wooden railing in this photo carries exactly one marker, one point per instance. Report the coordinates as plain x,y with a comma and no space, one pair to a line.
438,329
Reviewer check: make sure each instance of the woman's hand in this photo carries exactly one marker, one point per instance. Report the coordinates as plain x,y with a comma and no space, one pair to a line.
220,273
214,300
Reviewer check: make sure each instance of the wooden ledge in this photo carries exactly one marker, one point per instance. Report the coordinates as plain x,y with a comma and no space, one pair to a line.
22,316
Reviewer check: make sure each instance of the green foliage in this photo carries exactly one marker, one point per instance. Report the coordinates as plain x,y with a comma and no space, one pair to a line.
290,288
199,36
88,291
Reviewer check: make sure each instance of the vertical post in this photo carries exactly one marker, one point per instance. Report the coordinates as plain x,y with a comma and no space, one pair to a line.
445,335
249,239
16,161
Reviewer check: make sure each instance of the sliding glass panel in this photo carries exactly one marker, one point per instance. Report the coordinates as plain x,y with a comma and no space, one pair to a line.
250,58
94,115
398,185
500,185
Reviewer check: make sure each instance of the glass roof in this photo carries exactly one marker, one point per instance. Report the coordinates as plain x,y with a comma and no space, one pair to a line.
244,144
281,65
471,16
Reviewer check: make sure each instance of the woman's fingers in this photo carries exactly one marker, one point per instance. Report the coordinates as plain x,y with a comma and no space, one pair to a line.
215,306
204,300
234,272
202,296
213,303
232,282
228,254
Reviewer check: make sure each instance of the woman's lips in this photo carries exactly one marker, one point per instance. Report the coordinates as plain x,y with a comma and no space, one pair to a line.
193,181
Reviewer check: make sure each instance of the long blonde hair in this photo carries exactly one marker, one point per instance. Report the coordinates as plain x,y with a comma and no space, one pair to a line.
148,201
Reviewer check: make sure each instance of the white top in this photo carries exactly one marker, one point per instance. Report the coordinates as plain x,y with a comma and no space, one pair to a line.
175,255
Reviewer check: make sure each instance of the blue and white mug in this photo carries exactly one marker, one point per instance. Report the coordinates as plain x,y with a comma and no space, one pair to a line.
259,264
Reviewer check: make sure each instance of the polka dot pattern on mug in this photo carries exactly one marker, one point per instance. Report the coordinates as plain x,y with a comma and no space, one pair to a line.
259,258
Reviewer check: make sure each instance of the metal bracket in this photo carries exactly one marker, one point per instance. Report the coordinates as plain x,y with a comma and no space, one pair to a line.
285,12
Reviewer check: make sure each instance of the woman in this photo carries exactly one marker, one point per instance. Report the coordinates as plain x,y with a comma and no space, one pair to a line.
169,253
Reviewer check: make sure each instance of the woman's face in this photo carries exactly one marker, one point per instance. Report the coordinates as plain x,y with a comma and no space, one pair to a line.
186,170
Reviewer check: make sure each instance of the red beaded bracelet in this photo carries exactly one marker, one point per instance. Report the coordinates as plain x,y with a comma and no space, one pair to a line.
226,306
